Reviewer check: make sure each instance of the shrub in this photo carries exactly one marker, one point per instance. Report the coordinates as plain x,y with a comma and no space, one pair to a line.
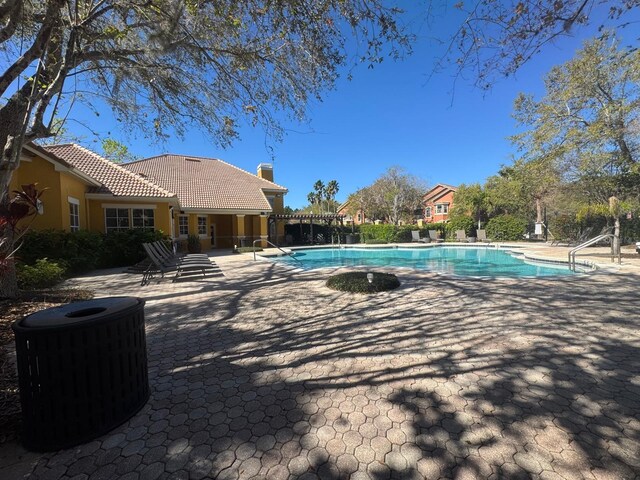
403,233
193,244
506,227
77,251
357,282
124,247
384,232
42,274
82,251
461,222
375,241
440,227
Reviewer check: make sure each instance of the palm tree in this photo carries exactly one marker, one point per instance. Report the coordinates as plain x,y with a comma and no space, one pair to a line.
331,191
320,192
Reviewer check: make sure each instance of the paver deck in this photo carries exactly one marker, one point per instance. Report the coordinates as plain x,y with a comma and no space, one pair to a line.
267,373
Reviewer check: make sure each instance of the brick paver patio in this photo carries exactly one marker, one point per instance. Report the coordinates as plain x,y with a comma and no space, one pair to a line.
269,374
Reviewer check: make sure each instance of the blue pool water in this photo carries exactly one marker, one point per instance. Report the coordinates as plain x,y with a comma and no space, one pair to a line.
468,261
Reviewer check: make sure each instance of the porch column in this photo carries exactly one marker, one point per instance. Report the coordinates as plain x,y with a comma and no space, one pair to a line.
239,230
264,230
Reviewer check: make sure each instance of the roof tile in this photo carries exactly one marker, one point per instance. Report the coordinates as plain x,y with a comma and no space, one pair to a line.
115,179
206,183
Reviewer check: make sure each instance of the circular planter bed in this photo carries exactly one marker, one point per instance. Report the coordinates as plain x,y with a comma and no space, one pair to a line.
357,282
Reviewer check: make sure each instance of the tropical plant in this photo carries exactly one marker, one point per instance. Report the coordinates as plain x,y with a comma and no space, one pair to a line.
23,206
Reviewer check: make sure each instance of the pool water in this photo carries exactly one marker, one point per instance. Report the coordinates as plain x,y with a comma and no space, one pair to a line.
467,261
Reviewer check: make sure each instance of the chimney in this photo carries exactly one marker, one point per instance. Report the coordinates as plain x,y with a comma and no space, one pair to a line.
265,170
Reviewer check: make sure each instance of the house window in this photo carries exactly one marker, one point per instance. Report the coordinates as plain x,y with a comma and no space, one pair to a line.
359,217
116,219
142,218
270,200
74,214
183,225
202,226
427,212
442,208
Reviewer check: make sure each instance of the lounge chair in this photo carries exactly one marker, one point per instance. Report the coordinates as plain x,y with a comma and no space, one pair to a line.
183,268
163,252
461,236
415,237
482,236
434,236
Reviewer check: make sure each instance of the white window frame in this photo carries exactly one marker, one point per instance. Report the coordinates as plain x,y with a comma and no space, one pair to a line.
442,208
360,217
74,214
428,212
108,229
206,225
180,234
143,227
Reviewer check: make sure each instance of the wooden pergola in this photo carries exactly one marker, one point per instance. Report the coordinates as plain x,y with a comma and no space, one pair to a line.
301,217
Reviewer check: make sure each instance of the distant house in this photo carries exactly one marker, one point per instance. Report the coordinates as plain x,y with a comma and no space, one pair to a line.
179,195
356,218
438,202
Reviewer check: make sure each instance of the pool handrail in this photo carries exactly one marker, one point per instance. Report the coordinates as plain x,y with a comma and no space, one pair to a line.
290,253
588,243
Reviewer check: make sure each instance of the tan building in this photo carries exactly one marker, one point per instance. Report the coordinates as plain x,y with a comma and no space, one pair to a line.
220,203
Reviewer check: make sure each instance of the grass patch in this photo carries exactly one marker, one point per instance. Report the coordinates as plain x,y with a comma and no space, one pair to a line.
357,282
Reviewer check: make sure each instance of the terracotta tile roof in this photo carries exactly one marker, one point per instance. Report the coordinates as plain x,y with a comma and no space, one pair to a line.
438,191
115,179
207,183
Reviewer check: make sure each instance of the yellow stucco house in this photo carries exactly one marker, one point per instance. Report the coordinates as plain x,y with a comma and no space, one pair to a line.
180,195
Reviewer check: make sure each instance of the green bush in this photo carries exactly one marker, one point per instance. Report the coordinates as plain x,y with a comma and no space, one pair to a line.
461,222
193,244
42,274
384,232
440,227
506,228
403,233
124,247
356,282
375,241
82,251
77,252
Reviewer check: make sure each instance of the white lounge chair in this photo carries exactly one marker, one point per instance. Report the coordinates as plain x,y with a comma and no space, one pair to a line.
415,237
461,236
434,236
482,236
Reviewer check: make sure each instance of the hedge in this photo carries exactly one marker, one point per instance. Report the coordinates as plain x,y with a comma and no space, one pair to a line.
82,251
506,228
461,222
42,274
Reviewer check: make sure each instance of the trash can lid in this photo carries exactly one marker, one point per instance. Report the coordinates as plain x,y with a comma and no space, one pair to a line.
77,312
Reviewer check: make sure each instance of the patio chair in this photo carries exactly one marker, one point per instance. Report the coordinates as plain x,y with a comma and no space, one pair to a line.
434,236
482,236
187,268
163,252
461,236
415,237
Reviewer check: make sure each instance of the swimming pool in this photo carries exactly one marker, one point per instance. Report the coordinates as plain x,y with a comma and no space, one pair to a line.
467,261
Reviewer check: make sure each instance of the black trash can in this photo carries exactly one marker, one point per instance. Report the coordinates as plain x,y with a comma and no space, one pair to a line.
351,238
82,370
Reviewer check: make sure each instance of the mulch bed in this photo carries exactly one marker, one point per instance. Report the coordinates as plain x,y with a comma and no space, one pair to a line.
11,310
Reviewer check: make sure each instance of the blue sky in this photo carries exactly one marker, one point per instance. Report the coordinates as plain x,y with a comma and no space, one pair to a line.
437,129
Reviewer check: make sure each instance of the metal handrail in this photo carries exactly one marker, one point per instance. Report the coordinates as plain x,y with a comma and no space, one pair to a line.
290,253
588,243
